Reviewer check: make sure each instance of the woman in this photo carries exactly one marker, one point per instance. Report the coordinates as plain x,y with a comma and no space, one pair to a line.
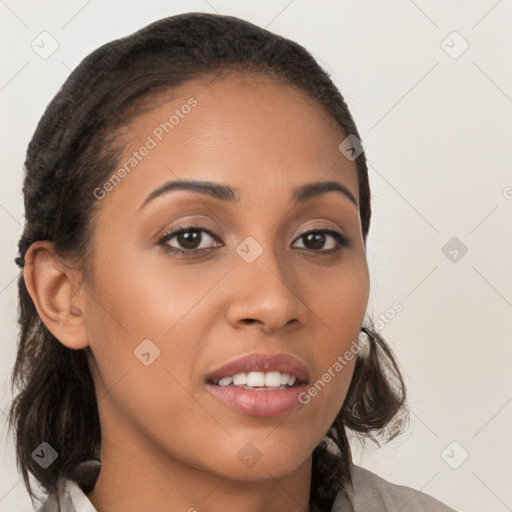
194,283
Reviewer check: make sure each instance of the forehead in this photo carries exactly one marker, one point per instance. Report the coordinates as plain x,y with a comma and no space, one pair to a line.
247,130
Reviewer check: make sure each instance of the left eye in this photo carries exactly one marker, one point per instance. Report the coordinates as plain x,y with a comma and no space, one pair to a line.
318,238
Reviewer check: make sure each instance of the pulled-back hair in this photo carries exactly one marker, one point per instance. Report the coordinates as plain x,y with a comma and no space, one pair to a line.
75,148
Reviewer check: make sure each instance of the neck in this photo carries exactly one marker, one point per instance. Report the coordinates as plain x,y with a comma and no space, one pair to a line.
135,477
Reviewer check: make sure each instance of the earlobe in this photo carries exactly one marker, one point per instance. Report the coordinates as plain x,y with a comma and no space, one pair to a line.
52,287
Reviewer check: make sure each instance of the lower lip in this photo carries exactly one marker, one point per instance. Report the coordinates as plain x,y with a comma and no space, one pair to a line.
258,402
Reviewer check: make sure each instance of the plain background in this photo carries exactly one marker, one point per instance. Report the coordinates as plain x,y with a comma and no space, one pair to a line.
437,129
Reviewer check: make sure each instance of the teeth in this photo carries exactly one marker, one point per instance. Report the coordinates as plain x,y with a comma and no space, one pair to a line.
225,381
239,379
258,379
272,379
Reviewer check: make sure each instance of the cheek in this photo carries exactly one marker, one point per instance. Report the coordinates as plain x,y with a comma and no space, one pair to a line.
141,313
152,406
145,336
339,299
339,305
148,297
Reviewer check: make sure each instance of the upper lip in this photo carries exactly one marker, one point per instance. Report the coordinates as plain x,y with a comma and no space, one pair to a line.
259,362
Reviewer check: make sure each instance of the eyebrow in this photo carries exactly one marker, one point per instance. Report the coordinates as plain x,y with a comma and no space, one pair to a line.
226,193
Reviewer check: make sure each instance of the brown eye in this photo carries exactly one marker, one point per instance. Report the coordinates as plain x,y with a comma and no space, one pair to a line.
189,240
316,240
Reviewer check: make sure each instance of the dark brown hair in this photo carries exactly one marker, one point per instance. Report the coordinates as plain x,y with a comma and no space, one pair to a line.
76,147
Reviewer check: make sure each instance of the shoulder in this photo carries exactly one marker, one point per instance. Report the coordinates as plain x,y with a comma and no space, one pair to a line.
368,492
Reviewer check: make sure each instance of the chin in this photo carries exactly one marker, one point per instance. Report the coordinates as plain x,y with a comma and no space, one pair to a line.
260,460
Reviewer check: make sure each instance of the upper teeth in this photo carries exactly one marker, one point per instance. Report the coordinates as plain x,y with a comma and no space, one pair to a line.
259,379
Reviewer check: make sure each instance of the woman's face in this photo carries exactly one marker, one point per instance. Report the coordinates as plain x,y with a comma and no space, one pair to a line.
159,323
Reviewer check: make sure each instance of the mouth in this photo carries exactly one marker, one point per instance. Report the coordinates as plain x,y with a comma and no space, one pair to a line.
261,372
260,385
259,381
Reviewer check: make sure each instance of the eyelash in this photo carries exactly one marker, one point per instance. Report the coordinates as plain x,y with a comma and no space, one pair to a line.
342,240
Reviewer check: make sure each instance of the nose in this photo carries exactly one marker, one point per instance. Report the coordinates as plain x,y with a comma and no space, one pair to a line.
266,295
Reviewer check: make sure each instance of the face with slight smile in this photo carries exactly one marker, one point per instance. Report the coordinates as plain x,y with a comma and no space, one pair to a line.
252,283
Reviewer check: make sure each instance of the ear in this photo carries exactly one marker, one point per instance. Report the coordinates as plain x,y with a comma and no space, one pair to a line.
56,294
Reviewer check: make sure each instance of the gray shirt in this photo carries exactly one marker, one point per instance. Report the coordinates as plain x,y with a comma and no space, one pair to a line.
367,493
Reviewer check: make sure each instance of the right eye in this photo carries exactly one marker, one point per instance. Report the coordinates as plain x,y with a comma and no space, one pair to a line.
190,239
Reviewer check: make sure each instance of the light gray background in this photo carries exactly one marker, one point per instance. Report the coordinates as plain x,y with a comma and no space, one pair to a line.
438,133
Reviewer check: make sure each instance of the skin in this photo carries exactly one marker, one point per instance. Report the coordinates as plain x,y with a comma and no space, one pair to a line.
167,443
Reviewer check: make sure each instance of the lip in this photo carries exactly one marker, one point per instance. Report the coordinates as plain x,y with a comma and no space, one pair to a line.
260,402
260,362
